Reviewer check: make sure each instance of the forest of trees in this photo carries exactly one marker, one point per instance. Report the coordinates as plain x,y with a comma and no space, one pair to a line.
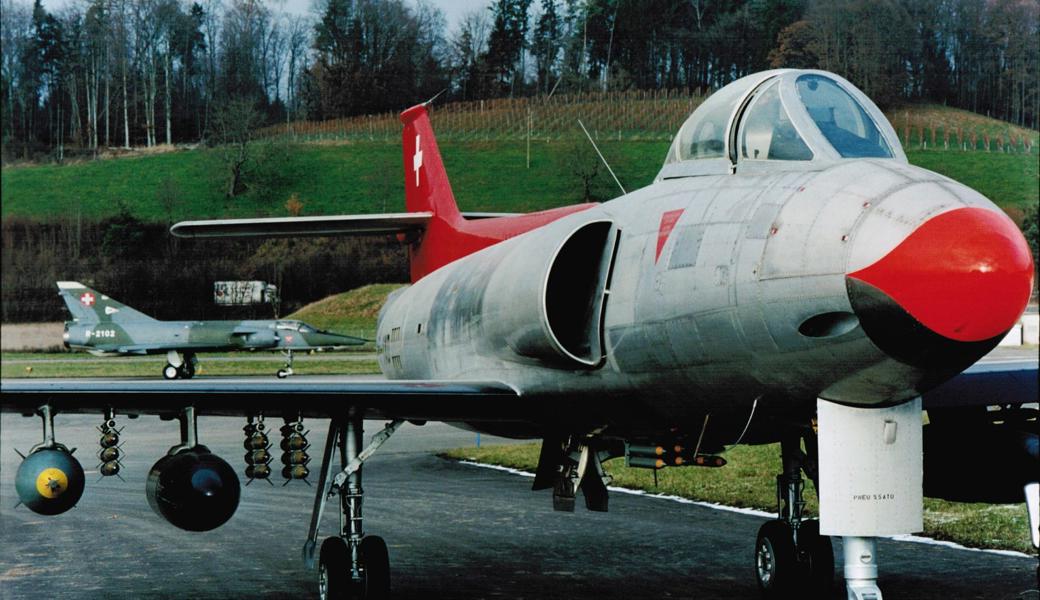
99,74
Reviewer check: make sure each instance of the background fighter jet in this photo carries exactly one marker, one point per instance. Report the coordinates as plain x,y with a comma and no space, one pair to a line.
105,327
788,277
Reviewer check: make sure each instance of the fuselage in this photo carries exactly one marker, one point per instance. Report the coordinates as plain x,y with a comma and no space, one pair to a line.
701,294
157,337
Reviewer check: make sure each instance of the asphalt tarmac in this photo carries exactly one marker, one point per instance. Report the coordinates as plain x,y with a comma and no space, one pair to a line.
454,531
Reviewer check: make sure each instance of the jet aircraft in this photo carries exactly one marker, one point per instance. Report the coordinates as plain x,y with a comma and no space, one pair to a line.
787,277
105,327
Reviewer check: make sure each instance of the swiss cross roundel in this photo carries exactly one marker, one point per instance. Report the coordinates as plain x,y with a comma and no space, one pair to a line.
87,299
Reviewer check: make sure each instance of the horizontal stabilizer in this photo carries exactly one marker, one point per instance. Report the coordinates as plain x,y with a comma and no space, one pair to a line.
382,224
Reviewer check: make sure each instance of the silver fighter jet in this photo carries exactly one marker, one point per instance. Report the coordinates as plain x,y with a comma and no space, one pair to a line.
788,277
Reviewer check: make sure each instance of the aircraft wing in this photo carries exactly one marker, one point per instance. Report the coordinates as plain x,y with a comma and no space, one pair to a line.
382,224
984,384
380,399
988,383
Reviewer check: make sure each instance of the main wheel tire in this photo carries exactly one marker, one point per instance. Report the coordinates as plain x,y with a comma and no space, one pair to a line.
171,372
817,557
334,580
282,374
776,562
375,560
188,368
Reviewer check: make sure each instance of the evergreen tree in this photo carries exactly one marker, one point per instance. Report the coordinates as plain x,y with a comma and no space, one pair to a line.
507,43
546,46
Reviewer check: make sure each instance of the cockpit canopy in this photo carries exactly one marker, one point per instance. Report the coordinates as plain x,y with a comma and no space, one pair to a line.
296,326
780,120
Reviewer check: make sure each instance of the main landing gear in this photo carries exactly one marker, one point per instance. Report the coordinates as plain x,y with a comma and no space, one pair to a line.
179,368
287,369
350,565
792,559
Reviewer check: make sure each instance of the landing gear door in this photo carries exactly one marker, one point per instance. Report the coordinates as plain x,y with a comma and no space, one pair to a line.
871,471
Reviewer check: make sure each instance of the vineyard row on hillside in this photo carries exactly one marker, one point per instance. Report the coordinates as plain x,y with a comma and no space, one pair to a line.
638,115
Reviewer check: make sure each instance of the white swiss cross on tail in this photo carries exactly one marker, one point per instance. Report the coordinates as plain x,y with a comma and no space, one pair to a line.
87,299
417,158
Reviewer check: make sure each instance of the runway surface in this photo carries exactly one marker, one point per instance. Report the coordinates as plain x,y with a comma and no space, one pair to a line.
454,531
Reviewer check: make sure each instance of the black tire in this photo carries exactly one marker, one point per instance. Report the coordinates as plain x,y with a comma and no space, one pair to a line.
281,374
375,560
188,368
334,570
171,372
776,562
817,558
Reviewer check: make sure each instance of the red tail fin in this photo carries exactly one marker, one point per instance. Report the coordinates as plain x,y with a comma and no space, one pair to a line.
448,235
426,182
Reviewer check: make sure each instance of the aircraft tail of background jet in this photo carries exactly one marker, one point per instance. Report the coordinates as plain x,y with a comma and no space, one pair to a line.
90,306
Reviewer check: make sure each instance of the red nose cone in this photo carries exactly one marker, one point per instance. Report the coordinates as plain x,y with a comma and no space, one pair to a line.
965,274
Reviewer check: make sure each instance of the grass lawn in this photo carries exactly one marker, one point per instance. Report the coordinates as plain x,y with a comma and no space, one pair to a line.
749,480
119,367
1009,180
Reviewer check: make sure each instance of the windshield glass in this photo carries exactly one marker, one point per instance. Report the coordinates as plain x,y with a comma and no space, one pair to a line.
704,133
841,119
767,133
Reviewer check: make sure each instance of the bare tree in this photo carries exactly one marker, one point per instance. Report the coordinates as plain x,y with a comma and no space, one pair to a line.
15,29
298,36
233,124
274,47
95,30
469,42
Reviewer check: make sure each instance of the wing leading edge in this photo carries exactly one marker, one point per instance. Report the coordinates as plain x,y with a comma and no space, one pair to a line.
414,400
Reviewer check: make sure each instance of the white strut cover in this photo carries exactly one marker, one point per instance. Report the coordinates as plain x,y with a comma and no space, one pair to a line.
871,473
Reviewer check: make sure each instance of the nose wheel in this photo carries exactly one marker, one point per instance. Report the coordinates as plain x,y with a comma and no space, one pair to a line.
287,370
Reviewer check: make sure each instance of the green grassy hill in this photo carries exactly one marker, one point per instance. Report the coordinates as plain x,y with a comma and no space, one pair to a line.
363,177
352,312
342,173
347,177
